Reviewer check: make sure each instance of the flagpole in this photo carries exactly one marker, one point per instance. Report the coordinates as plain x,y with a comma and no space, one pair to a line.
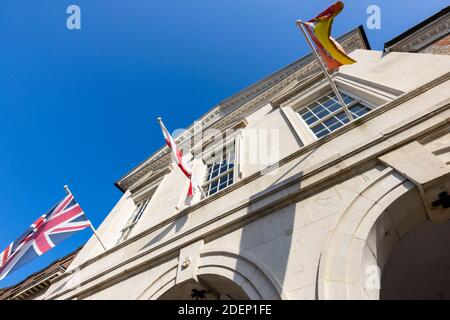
66,187
324,69
97,236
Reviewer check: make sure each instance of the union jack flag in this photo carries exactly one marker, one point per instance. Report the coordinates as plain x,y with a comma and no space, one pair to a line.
56,225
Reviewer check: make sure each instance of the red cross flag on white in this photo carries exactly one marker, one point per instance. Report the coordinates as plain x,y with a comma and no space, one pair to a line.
177,156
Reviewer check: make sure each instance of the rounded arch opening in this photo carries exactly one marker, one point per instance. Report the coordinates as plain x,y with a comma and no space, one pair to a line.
222,274
208,287
418,266
384,230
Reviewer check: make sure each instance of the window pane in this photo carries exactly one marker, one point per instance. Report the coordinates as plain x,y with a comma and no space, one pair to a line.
332,96
214,174
359,110
320,111
323,114
223,185
347,99
307,114
213,187
322,133
330,121
320,130
335,125
212,191
221,172
223,179
137,214
315,108
310,120
334,107
223,167
326,105
343,117
327,102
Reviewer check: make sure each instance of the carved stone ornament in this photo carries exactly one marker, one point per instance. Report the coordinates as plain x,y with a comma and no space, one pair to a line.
186,263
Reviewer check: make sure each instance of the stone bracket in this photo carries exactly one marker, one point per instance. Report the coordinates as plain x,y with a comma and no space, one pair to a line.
188,262
428,173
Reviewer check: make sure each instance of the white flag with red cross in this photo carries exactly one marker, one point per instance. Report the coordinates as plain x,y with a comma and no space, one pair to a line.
177,156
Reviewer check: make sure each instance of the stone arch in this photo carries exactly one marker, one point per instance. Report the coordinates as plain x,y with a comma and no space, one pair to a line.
243,269
357,249
163,282
250,276
418,266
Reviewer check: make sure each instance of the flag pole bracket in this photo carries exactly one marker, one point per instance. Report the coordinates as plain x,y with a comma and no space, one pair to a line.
300,24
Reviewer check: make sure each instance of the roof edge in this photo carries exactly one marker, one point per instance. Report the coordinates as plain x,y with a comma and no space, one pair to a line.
364,37
417,27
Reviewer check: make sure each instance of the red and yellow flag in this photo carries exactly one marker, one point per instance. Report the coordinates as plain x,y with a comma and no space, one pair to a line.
319,30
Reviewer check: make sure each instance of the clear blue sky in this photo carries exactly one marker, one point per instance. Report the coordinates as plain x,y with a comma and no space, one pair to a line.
79,107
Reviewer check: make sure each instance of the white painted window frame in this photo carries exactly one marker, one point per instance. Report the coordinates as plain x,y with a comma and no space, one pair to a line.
236,140
232,143
133,220
355,100
370,96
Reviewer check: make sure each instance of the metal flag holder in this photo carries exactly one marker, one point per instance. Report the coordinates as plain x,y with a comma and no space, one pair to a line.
300,23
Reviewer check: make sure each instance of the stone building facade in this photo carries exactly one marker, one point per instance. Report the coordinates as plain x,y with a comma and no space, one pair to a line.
429,36
335,209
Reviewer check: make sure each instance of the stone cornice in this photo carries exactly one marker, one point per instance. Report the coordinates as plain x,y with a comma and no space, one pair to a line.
416,40
243,103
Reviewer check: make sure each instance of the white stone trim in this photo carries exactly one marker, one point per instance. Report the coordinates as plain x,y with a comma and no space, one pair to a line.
339,276
341,273
250,275
422,38
161,284
371,98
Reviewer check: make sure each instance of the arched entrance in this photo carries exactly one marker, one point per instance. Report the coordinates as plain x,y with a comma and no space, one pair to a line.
385,247
208,287
419,265
222,274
